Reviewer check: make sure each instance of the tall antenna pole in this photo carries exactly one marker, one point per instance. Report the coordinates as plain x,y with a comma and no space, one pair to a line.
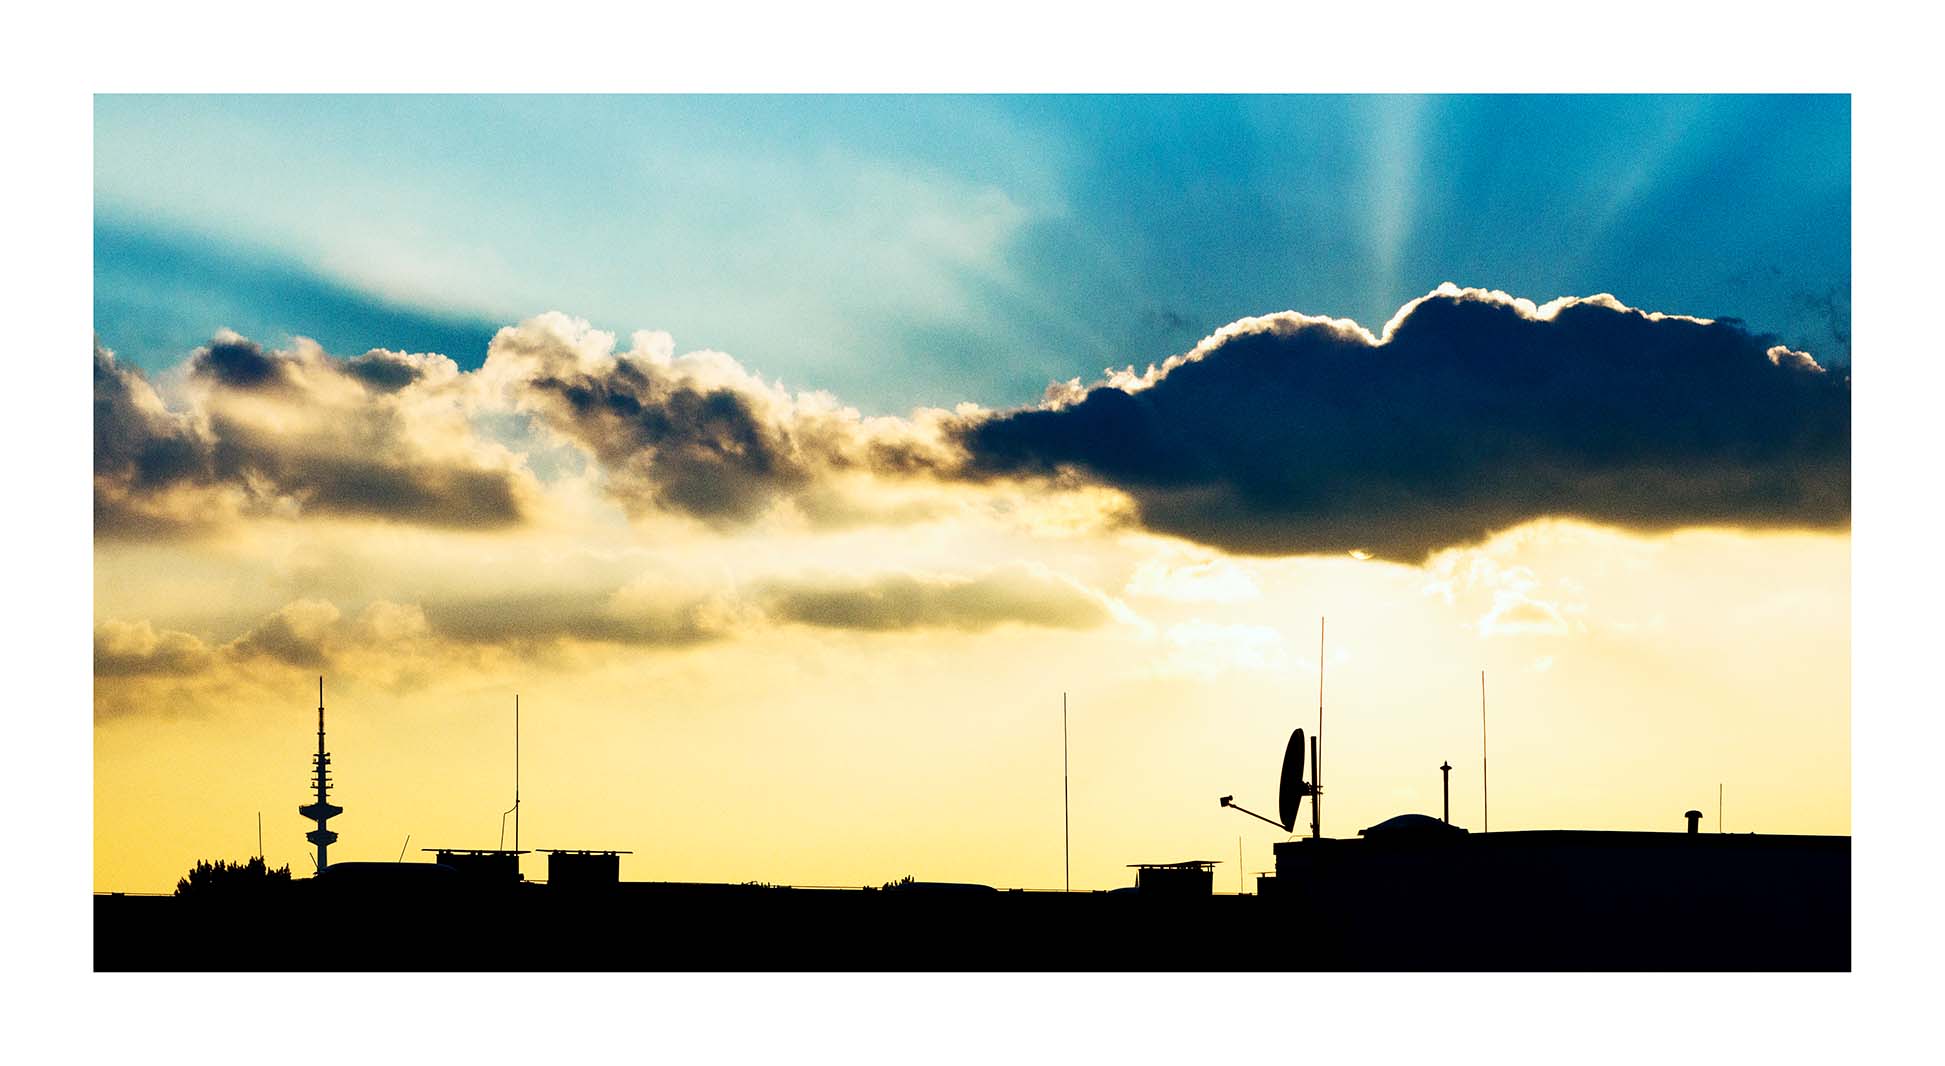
1718,807
1066,822
1317,748
1485,792
259,835
1445,771
516,771
1239,866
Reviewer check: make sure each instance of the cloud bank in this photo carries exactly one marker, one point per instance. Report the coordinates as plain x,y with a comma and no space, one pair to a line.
1015,594
265,433
699,435
386,638
1474,412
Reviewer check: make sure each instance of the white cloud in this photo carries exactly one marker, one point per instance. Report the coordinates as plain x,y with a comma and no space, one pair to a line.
1206,650
1514,613
1206,580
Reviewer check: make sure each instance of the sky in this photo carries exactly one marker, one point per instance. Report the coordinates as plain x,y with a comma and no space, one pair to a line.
790,457
932,250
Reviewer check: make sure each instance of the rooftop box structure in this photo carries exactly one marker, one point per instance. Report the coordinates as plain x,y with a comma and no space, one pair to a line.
1556,899
583,869
481,864
1176,880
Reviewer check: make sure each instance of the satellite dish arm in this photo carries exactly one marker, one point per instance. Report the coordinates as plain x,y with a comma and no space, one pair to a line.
1231,803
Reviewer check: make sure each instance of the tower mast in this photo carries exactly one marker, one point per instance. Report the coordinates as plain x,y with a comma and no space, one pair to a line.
1317,746
322,811
516,771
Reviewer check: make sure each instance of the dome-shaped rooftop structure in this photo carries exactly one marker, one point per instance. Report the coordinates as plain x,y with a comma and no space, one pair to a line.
1409,826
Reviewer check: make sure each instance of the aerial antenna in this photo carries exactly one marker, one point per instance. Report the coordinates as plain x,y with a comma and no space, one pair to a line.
1066,821
1718,806
259,836
1239,866
516,771
402,847
1317,746
515,809
1485,792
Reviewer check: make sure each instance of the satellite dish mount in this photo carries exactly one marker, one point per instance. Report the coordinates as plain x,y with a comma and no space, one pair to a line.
1291,789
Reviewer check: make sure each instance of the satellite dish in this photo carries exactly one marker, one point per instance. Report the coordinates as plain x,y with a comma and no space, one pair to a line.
1290,789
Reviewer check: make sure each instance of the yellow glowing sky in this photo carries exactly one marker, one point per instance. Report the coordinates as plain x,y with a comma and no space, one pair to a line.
1627,676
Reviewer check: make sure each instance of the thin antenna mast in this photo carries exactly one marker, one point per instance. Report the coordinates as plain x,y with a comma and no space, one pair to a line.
515,809
1317,748
516,771
259,835
1718,807
1485,792
1066,821
402,847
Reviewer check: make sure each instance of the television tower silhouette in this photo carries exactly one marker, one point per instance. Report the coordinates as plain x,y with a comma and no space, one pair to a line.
323,810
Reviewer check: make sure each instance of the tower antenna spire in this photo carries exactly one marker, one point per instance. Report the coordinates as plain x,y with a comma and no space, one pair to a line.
322,810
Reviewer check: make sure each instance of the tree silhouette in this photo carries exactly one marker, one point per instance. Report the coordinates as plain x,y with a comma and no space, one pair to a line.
222,878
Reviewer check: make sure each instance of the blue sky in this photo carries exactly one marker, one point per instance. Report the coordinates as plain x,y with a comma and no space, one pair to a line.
927,250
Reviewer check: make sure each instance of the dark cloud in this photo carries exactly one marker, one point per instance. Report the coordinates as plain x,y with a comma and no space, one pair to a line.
316,435
877,603
541,618
1279,435
383,371
396,640
236,362
137,440
904,601
298,635
125,649
702,451
699,435
1289,435
379,480
141,448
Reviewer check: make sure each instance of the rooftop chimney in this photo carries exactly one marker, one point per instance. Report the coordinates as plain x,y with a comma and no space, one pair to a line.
1694,819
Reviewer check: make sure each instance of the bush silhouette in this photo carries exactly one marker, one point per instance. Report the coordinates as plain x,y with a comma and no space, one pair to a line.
222,878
